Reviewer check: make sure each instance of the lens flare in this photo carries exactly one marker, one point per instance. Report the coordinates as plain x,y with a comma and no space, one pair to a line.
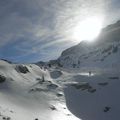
88,29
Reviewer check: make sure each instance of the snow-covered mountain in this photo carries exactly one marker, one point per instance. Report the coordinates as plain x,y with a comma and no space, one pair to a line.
103,52
28,92
83,84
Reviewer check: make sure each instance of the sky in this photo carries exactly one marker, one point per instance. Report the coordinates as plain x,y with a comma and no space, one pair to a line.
35,30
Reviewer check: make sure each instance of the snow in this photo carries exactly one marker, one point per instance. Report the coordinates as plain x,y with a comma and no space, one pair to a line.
103,53
59,93
92,105
55,74
22,97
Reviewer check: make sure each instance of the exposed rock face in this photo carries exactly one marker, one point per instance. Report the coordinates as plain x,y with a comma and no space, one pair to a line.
84,86
22,69
2,79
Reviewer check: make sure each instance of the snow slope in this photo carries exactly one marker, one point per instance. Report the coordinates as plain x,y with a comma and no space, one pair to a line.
30,92
25,96
91,76
94,97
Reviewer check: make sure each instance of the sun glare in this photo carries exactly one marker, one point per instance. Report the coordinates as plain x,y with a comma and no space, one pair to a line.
88,29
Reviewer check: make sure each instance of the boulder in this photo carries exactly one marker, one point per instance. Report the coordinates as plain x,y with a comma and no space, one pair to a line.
22,69
2,79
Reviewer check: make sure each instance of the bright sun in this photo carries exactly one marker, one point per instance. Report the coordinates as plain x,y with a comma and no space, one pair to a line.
88,29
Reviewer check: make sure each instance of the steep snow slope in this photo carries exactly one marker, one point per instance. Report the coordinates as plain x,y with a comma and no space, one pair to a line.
27,92
94,97
104,52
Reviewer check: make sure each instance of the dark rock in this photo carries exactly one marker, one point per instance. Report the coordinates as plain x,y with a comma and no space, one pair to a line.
52,86
49,82
4,118
113,77
107,49
91,90
84,86
36,118
30,66
40,80
115,49
2,79
11,111
59,94
22,69
106,109
53,107
38,90
55,74
103,84
68,114
8,118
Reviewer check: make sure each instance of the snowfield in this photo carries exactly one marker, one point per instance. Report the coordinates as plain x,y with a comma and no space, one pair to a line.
30,92
24,96
94,97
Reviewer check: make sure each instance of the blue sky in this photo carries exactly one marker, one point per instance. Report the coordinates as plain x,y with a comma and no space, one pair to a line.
34,30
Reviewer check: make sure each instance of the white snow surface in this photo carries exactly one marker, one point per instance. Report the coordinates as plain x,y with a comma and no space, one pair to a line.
23,97
69,94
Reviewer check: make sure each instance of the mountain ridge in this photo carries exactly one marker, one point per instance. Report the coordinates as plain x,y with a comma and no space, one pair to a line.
107,45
